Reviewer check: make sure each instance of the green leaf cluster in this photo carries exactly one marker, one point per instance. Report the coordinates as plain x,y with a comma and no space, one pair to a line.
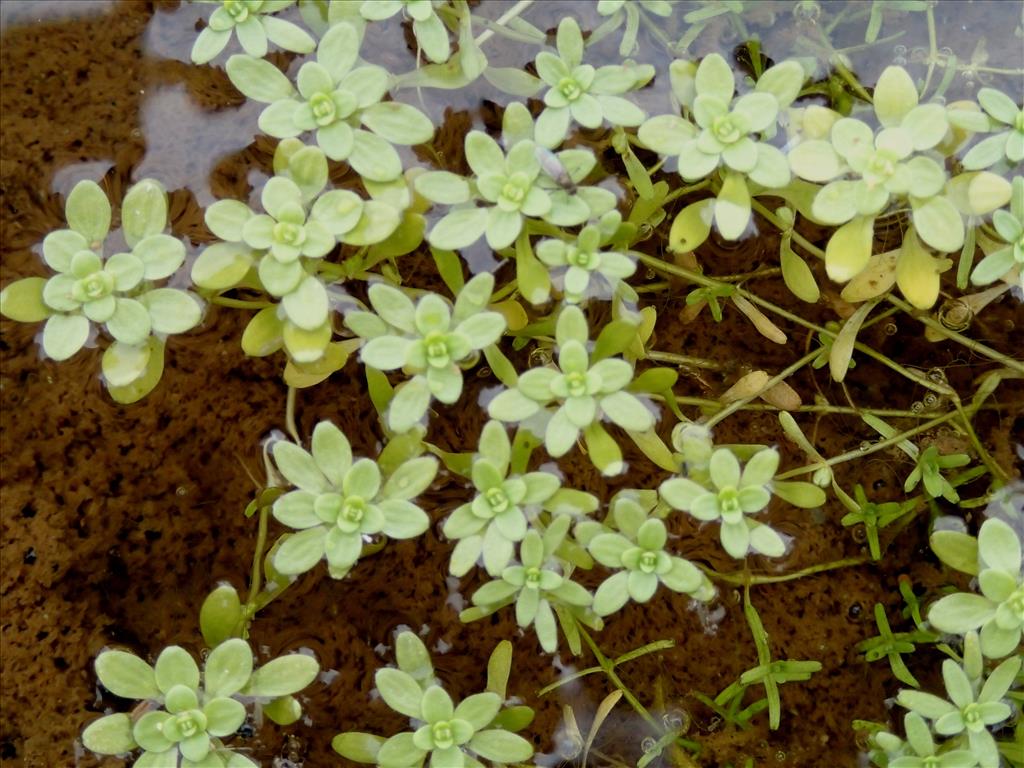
189,715
334,98
117,292
572,397
339,500
252,22
429,339
455,736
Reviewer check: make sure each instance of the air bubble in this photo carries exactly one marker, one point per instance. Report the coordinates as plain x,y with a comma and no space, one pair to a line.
890,329
931,401
676,720
938,375
917,407
865,445
648,744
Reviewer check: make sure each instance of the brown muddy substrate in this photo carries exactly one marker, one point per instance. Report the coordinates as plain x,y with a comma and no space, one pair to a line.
118,520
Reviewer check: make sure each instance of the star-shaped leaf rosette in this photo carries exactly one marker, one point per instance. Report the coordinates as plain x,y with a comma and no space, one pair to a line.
187,716
572,398
473,734
505,504
252,22
507,192
116,292
729,495
633,542
730,133
429,339
865,171
540,586
334,98
281,250
341,502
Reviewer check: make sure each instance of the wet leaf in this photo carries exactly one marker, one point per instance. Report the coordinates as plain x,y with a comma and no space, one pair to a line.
796,274
842,347
691,227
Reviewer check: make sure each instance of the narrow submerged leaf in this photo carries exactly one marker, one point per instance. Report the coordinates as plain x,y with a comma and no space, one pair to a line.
917,271
358,747
796,274
499,666
748,386
842,347
301,375
764,325
532,276
654,448
874,280
603,710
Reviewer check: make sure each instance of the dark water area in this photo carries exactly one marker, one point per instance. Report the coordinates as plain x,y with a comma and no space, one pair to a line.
118,520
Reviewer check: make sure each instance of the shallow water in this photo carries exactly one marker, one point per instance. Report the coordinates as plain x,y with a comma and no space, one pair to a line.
117,521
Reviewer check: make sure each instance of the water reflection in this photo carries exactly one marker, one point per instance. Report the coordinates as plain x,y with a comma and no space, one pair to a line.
24,12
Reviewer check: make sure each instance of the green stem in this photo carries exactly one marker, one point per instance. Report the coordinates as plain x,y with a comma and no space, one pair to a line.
289,416
873,448
804,243
225,301
683,360
700,279
747,579
504,19
702,402
608,667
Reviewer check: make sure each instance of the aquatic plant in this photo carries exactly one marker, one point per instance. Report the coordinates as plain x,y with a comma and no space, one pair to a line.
636,549
334,98
579,93
1007,143
429,339
285,246
919,750
930,465
431,34
1010,225
252,22
728,133
451,735
511,191
186,718
537,583
116,292
588,270
972,705
573,397
730,496
821,164
995,558
339,500
499,514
